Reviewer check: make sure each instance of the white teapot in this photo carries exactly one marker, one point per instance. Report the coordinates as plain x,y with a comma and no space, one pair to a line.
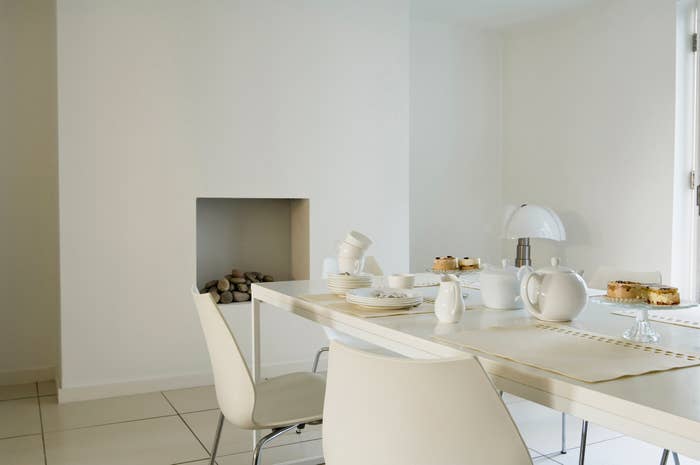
554,293
449,304
500,286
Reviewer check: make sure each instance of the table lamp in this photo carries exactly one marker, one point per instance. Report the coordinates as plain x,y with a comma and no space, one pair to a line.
532,221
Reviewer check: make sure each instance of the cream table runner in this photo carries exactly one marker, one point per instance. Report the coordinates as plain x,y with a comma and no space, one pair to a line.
571,352
339,303
686,317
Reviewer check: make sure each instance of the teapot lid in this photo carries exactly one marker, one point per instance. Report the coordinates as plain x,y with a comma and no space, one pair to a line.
504,270
555,267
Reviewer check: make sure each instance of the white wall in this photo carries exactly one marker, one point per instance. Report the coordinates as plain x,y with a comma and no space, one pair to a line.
164,101
28,188
589,130
455,142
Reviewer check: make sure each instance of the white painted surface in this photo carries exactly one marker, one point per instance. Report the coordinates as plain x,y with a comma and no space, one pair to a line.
455,143
28,188
588,123
492,13
165,101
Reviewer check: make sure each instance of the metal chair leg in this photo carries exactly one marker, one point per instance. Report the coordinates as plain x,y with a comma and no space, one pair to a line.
664,457
318,357
563,433
676,460
217,436
500,393
582,449
275,432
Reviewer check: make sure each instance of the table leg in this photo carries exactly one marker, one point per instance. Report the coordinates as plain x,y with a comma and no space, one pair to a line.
255,323
255,352
582,448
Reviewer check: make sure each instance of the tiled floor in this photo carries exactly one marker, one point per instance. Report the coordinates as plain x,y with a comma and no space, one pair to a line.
177,427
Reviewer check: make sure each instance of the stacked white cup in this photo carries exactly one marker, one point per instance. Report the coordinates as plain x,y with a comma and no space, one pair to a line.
351,252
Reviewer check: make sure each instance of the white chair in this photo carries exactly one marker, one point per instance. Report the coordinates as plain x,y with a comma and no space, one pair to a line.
395,411
604,274
281,403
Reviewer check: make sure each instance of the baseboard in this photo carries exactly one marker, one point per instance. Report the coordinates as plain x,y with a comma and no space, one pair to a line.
27,376
78,393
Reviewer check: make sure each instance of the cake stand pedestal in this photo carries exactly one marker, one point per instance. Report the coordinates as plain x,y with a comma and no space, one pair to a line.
641,331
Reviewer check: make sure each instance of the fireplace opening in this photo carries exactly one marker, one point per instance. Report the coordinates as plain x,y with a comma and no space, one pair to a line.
263,239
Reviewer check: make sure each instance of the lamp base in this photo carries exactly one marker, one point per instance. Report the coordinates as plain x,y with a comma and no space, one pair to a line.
522,252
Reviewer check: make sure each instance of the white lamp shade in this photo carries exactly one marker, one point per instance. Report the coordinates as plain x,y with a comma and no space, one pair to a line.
535,221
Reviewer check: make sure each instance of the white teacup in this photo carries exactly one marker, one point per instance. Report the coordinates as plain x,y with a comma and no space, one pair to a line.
358,240
346,250
401,280
350,265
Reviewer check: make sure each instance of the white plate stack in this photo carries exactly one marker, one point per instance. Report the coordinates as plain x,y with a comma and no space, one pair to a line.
389,299
340,283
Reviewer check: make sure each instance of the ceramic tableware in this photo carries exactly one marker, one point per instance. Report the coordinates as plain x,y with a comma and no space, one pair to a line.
401,280
500,286
350,265
381,298
554,293
449,304
358,240
347,250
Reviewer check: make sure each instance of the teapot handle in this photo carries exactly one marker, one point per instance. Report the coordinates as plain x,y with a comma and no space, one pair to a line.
533,307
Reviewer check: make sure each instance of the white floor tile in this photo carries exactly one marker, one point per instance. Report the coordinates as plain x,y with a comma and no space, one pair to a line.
158,441
17,391
543,460
308,452
193,399
25,450
234,440
47,388
19,417
541,428
58,417
621,451
539,458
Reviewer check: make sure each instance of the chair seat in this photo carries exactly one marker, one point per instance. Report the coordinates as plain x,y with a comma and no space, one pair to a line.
289,399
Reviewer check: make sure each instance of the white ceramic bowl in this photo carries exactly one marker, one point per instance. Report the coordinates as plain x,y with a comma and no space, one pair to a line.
401,280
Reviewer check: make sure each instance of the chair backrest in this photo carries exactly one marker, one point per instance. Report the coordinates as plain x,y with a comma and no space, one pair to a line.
605,274
395,411
235,390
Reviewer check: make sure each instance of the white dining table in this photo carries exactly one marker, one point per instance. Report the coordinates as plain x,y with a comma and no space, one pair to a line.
660,408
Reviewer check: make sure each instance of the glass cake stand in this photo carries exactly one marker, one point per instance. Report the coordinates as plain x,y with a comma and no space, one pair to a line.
642,330
454,272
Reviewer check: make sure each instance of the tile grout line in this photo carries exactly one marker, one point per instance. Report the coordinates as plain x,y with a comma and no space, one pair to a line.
595,443
546,456
41,423
100,425
19,398
20,436
206,449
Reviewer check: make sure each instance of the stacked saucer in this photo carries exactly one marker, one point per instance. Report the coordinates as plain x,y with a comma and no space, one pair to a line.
388,299
340,283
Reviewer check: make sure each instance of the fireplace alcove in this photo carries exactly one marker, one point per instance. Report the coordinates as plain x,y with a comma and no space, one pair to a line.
269,235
